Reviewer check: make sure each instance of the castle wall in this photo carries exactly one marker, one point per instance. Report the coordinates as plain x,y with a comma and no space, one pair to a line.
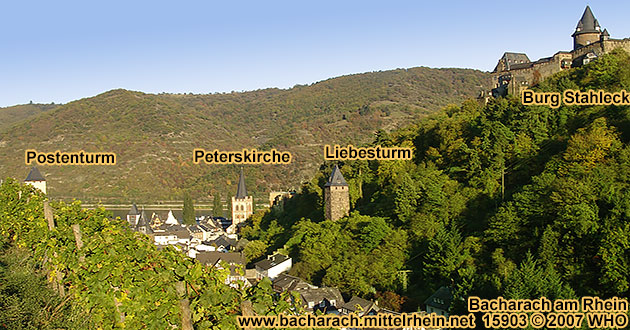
611,44
523,78
526,77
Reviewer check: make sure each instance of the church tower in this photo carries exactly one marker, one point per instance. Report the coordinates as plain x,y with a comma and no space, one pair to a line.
241,203
336,196
36,179
587,31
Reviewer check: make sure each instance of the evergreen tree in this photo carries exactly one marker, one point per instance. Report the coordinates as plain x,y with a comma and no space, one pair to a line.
189,210
217,206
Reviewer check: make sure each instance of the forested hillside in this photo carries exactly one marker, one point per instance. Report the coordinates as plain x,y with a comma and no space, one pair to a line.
153,136
501,199
9,116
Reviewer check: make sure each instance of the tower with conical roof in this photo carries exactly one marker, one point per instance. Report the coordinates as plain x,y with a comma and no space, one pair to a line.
143,224
36,179
242,205
336,196
133,215
587,31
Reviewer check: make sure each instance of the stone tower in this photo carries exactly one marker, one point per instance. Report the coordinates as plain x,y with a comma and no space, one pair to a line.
36,179
241,203
336,195
587,31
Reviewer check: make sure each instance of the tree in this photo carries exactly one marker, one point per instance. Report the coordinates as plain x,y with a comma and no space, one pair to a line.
189,210
254,250
217,207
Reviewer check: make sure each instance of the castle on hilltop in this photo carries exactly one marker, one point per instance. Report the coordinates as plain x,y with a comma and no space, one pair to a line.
516,72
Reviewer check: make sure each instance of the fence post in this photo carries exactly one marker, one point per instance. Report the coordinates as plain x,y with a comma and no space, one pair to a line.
48,214
58,285
76,230
184,304
247,310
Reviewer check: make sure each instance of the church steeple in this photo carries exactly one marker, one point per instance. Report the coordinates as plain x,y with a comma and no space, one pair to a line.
241,190
242,205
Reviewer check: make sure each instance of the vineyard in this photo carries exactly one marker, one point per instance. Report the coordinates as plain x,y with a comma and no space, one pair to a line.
116,278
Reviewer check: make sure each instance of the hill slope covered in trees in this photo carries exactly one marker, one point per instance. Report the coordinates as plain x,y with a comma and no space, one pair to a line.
501,199
154,135
10,116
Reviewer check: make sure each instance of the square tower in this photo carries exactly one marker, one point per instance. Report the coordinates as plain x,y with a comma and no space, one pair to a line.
242,205
337,196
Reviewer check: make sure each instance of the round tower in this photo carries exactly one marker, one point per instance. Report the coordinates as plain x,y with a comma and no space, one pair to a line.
587,31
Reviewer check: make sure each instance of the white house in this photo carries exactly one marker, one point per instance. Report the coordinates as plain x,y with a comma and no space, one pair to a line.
273,266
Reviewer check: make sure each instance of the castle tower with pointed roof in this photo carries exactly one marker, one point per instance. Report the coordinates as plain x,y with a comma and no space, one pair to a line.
242,205
587,31
36,179
336,196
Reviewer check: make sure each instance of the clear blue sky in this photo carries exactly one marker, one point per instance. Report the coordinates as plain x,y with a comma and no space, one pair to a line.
59,51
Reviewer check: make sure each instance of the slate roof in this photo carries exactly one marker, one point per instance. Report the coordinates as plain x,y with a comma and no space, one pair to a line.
134,210
359,305
223,241
513,61
285,282
271,261
441,298
241,191
176,230
211,258
336,178
34,175
142,221
516,57
588,23
316,295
